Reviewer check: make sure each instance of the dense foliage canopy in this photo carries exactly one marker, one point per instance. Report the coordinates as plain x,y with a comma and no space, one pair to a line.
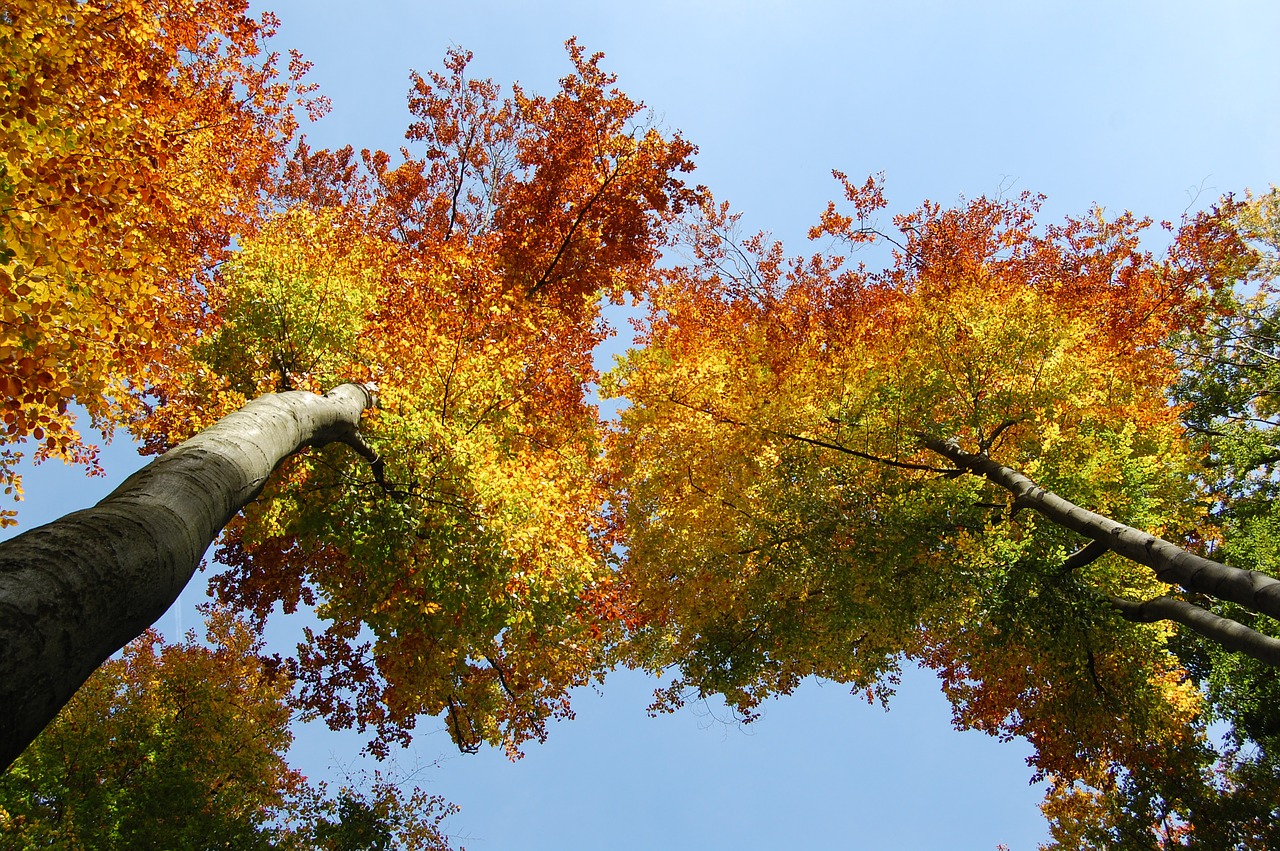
138,138
822,469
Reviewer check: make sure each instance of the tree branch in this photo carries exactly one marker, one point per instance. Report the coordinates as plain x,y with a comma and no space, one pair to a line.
545,278
1171,563
1087,554
1231,634
904,465
813,441
986,443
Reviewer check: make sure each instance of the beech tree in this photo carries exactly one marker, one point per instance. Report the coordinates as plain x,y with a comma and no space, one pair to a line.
1022,454
119,121
462,536
77,590
971,460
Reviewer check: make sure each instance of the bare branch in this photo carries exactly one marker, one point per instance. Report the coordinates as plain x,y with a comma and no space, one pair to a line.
1087,554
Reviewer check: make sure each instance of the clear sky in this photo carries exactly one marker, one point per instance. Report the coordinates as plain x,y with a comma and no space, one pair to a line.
1148,106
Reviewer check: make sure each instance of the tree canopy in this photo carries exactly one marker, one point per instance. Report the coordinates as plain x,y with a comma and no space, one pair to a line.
825,471
465,282
1021,453
139,137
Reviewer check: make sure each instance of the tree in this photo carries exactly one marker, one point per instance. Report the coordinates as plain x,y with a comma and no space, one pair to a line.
119,121
463,535
825,470
76,590
464,577
182,746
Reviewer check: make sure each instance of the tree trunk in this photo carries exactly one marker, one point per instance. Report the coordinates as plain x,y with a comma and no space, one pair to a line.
1172,564
1231,634
78,589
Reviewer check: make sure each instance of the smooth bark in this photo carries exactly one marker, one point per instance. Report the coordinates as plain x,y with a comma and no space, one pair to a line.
1230,634
1172,564
78,589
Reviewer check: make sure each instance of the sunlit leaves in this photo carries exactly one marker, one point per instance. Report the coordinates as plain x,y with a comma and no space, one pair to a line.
465,575
784,519
136,137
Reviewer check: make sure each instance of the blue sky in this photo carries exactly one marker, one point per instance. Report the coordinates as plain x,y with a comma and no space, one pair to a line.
1146,106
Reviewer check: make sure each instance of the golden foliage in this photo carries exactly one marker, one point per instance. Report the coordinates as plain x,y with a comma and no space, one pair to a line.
136,137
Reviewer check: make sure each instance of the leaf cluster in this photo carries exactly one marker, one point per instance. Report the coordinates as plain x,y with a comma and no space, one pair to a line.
118,121
785,519
464,575
183,746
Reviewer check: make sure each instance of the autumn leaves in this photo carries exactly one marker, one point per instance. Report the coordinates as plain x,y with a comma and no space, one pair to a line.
465,281
794,471
768,507
119,123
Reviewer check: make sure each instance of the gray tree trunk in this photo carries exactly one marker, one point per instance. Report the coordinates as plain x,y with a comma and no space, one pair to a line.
1252,589
78,589
1171,563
